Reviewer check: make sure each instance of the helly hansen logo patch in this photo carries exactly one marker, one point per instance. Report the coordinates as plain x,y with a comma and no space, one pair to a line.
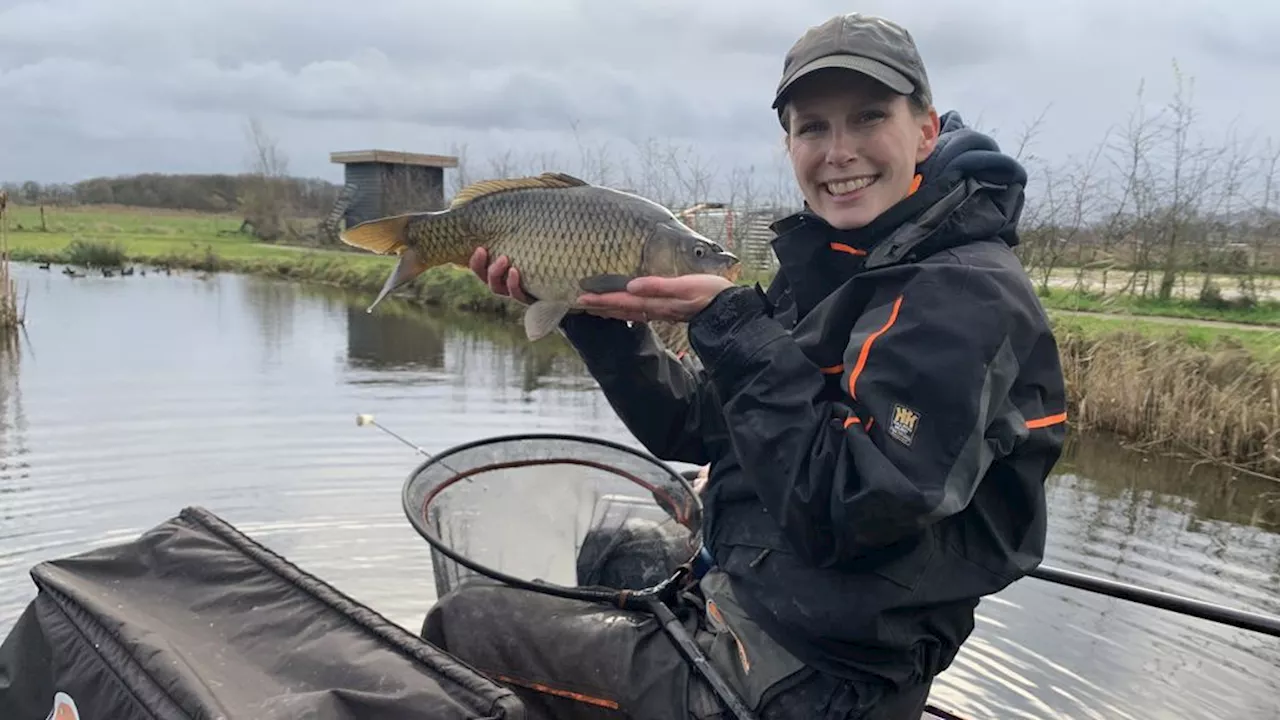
903,423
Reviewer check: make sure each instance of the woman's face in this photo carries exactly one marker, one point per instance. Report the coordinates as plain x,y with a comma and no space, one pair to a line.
854,145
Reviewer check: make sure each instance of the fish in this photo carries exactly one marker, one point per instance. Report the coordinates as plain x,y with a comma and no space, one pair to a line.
565,235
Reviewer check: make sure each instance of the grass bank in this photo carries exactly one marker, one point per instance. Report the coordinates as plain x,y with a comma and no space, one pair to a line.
1236,310
108,240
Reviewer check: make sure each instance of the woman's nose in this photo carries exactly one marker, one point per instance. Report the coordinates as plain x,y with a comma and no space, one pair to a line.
841,150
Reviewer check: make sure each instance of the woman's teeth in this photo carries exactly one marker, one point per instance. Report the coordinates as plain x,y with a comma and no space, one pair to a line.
844,187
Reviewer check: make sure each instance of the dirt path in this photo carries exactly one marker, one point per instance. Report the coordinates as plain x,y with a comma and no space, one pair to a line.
1170,320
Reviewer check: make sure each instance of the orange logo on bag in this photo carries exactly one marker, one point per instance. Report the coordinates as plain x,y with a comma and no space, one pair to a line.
64,708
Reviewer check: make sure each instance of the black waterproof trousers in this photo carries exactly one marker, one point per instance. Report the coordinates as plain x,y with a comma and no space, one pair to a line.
569,659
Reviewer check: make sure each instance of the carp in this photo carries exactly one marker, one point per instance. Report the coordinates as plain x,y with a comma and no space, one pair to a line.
565,236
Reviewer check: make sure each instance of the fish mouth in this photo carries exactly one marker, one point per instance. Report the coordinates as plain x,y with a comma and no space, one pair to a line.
728,264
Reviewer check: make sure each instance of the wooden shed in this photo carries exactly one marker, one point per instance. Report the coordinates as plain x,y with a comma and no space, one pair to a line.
386,182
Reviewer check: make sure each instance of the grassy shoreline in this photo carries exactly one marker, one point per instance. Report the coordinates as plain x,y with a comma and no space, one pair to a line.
1265,313
112,239
1204,391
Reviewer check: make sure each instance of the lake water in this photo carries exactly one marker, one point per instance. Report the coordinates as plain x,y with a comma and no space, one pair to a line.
135,396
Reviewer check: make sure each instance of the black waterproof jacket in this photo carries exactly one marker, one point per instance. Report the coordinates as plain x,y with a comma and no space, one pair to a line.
879,425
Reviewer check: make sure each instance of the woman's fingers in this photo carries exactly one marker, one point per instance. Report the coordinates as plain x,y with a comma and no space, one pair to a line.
514,288
497,275
479,263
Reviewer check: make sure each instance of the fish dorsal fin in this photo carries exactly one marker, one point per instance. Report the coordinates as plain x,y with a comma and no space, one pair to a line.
489,187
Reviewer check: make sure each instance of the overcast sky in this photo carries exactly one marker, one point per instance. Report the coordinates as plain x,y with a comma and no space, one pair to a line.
107,87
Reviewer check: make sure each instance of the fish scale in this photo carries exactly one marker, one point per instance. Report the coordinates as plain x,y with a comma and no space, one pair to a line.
565,236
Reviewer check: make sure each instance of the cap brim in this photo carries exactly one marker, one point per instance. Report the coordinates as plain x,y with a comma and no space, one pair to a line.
874,69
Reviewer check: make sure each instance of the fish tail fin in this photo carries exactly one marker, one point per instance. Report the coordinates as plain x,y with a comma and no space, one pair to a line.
390,236
384,236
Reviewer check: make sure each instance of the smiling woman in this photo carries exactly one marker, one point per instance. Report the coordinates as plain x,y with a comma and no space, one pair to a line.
878,426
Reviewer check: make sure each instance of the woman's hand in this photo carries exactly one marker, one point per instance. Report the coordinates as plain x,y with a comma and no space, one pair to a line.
675,299
700,482
500,276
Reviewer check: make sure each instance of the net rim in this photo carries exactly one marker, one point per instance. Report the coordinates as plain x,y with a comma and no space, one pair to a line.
415,514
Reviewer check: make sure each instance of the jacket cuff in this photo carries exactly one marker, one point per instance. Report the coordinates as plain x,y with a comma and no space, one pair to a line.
735,326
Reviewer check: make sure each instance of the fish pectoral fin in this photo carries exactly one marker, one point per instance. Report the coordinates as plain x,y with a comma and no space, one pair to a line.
383,236
409,267
543,317
604,283
489,187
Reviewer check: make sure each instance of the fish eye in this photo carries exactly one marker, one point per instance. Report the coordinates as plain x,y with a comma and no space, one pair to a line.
699,251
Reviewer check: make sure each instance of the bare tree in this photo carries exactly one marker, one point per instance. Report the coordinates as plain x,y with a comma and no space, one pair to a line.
266,204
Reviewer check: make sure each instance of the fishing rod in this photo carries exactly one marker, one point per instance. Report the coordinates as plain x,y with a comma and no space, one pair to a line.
366,419
1257,622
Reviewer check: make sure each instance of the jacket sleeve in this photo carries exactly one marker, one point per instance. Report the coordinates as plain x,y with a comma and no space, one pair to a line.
669,408
903,444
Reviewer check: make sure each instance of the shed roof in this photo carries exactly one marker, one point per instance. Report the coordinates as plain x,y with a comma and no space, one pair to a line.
392,157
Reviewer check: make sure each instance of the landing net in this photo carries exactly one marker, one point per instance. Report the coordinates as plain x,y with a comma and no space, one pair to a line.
567,515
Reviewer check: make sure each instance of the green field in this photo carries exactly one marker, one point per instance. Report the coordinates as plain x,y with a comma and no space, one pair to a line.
1262,345
1266,312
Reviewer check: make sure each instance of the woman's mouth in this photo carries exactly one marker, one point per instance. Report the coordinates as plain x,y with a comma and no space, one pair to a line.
849,186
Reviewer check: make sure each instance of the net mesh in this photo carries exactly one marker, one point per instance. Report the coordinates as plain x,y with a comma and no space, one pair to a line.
565,510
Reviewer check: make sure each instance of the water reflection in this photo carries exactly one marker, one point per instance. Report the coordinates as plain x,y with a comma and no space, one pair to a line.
14,467
1041,650
396,340
139,396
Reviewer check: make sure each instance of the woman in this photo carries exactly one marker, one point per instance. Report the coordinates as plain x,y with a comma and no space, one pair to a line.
879,425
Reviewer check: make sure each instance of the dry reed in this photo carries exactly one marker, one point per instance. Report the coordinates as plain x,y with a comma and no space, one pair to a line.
11,316
1165,394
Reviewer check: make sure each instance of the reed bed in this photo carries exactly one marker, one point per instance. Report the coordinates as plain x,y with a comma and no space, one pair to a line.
1164,393
11,315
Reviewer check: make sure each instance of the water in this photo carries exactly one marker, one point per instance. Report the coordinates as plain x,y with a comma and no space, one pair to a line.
134,397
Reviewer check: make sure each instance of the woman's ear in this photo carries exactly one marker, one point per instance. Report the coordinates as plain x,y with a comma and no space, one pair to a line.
929,129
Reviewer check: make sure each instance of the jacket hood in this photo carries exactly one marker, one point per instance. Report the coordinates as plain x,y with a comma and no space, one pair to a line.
962,152
961,156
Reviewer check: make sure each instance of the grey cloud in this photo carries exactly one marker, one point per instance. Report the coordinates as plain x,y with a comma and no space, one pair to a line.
92,87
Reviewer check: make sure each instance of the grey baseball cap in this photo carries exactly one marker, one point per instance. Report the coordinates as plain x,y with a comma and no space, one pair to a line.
867,44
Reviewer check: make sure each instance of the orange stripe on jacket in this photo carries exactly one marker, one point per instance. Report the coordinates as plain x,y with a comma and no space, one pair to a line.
841,247
1046,421
866,348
